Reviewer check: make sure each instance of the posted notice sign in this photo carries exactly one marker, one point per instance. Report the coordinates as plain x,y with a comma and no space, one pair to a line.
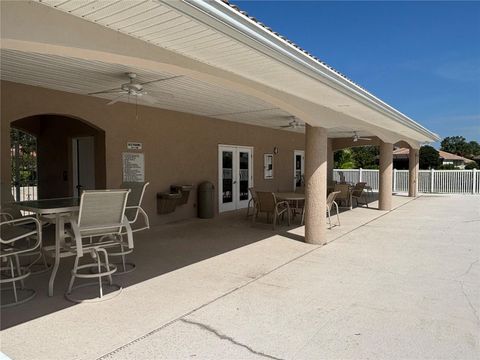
133,167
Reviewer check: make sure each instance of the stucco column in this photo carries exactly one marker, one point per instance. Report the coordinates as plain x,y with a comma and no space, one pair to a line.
413,166
330,160
315,184
385,181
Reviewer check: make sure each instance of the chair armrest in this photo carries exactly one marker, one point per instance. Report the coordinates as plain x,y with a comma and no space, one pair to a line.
5,216
144,214
23,221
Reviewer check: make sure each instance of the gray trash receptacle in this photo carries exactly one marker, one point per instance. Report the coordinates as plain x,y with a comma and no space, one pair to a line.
206,196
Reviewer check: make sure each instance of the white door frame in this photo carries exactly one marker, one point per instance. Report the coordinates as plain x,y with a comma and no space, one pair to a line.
236,203
302,164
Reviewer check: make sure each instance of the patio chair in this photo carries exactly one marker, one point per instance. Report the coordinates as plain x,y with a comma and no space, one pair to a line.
358,193
344,193
252,202
330,202
101,213
267,203
15,240
132,212
9,212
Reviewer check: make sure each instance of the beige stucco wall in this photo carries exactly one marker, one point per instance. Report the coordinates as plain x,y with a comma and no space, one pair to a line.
178,147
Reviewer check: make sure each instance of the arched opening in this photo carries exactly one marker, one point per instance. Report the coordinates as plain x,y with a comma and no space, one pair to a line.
69,156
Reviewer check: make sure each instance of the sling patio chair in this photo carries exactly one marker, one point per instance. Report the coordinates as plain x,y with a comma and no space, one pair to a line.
345,195
101,215
17,239
330,202
133,211
358,193
252,203
35,261
268,203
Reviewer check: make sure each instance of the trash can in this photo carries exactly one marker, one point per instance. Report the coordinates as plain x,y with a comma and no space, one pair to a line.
206,196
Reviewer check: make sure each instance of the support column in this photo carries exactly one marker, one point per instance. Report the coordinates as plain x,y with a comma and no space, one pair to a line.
385,174
315,184
330,161
413,166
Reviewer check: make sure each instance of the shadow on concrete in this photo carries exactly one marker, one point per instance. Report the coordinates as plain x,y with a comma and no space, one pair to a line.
158,251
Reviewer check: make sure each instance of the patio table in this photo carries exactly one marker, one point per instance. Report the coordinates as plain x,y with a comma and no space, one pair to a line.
291,197
56,210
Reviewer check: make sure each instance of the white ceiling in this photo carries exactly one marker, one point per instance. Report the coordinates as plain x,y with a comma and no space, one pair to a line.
189,95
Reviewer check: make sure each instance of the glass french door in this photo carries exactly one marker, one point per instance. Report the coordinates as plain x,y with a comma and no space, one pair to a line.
235,165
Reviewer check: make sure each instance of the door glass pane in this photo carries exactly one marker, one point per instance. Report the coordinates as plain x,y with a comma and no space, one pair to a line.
298,170
227,176
244,165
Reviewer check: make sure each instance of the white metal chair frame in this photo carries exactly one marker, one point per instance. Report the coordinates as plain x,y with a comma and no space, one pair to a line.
124,249
95,249
330,202
10,253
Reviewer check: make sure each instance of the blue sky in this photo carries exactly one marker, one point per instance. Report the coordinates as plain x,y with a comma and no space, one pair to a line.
421,57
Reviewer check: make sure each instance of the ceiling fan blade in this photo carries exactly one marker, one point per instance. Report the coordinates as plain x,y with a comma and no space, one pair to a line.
110,91
117,99
286,126
362,138
159,80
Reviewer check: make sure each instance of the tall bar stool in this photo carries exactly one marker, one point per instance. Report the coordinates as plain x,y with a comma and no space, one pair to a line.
101,216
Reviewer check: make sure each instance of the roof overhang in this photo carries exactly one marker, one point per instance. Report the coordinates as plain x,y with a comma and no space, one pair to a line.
236,53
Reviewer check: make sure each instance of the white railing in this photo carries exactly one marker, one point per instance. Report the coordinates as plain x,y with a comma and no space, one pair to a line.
429,181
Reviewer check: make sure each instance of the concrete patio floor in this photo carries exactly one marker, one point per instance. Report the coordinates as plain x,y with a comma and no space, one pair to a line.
393,285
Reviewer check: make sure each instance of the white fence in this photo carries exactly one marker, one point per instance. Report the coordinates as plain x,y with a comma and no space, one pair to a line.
429,181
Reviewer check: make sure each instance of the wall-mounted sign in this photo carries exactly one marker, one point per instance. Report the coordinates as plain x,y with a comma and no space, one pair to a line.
268,166
134,145
133,167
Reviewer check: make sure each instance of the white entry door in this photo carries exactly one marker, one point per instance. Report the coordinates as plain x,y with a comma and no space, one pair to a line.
83,151
235,164
298,169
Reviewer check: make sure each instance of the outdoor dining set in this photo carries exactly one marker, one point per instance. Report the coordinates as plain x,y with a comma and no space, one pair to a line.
281,205
99,226
94,228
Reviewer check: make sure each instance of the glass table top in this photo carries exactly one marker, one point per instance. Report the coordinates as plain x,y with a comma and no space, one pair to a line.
49,205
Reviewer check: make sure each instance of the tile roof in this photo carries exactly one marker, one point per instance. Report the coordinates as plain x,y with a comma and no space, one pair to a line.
403,152
244,13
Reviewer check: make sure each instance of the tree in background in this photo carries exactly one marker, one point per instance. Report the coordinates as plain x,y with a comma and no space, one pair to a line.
458,145
429,158
343,159
471,165
26,158
365,157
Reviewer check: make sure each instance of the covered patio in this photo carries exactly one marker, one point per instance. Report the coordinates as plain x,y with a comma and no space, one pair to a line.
217,272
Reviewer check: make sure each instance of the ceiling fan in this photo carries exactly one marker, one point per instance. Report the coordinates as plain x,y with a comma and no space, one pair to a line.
356,137
293,123
134,88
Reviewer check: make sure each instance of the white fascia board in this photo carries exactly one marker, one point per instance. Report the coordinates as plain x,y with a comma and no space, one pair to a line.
224,18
